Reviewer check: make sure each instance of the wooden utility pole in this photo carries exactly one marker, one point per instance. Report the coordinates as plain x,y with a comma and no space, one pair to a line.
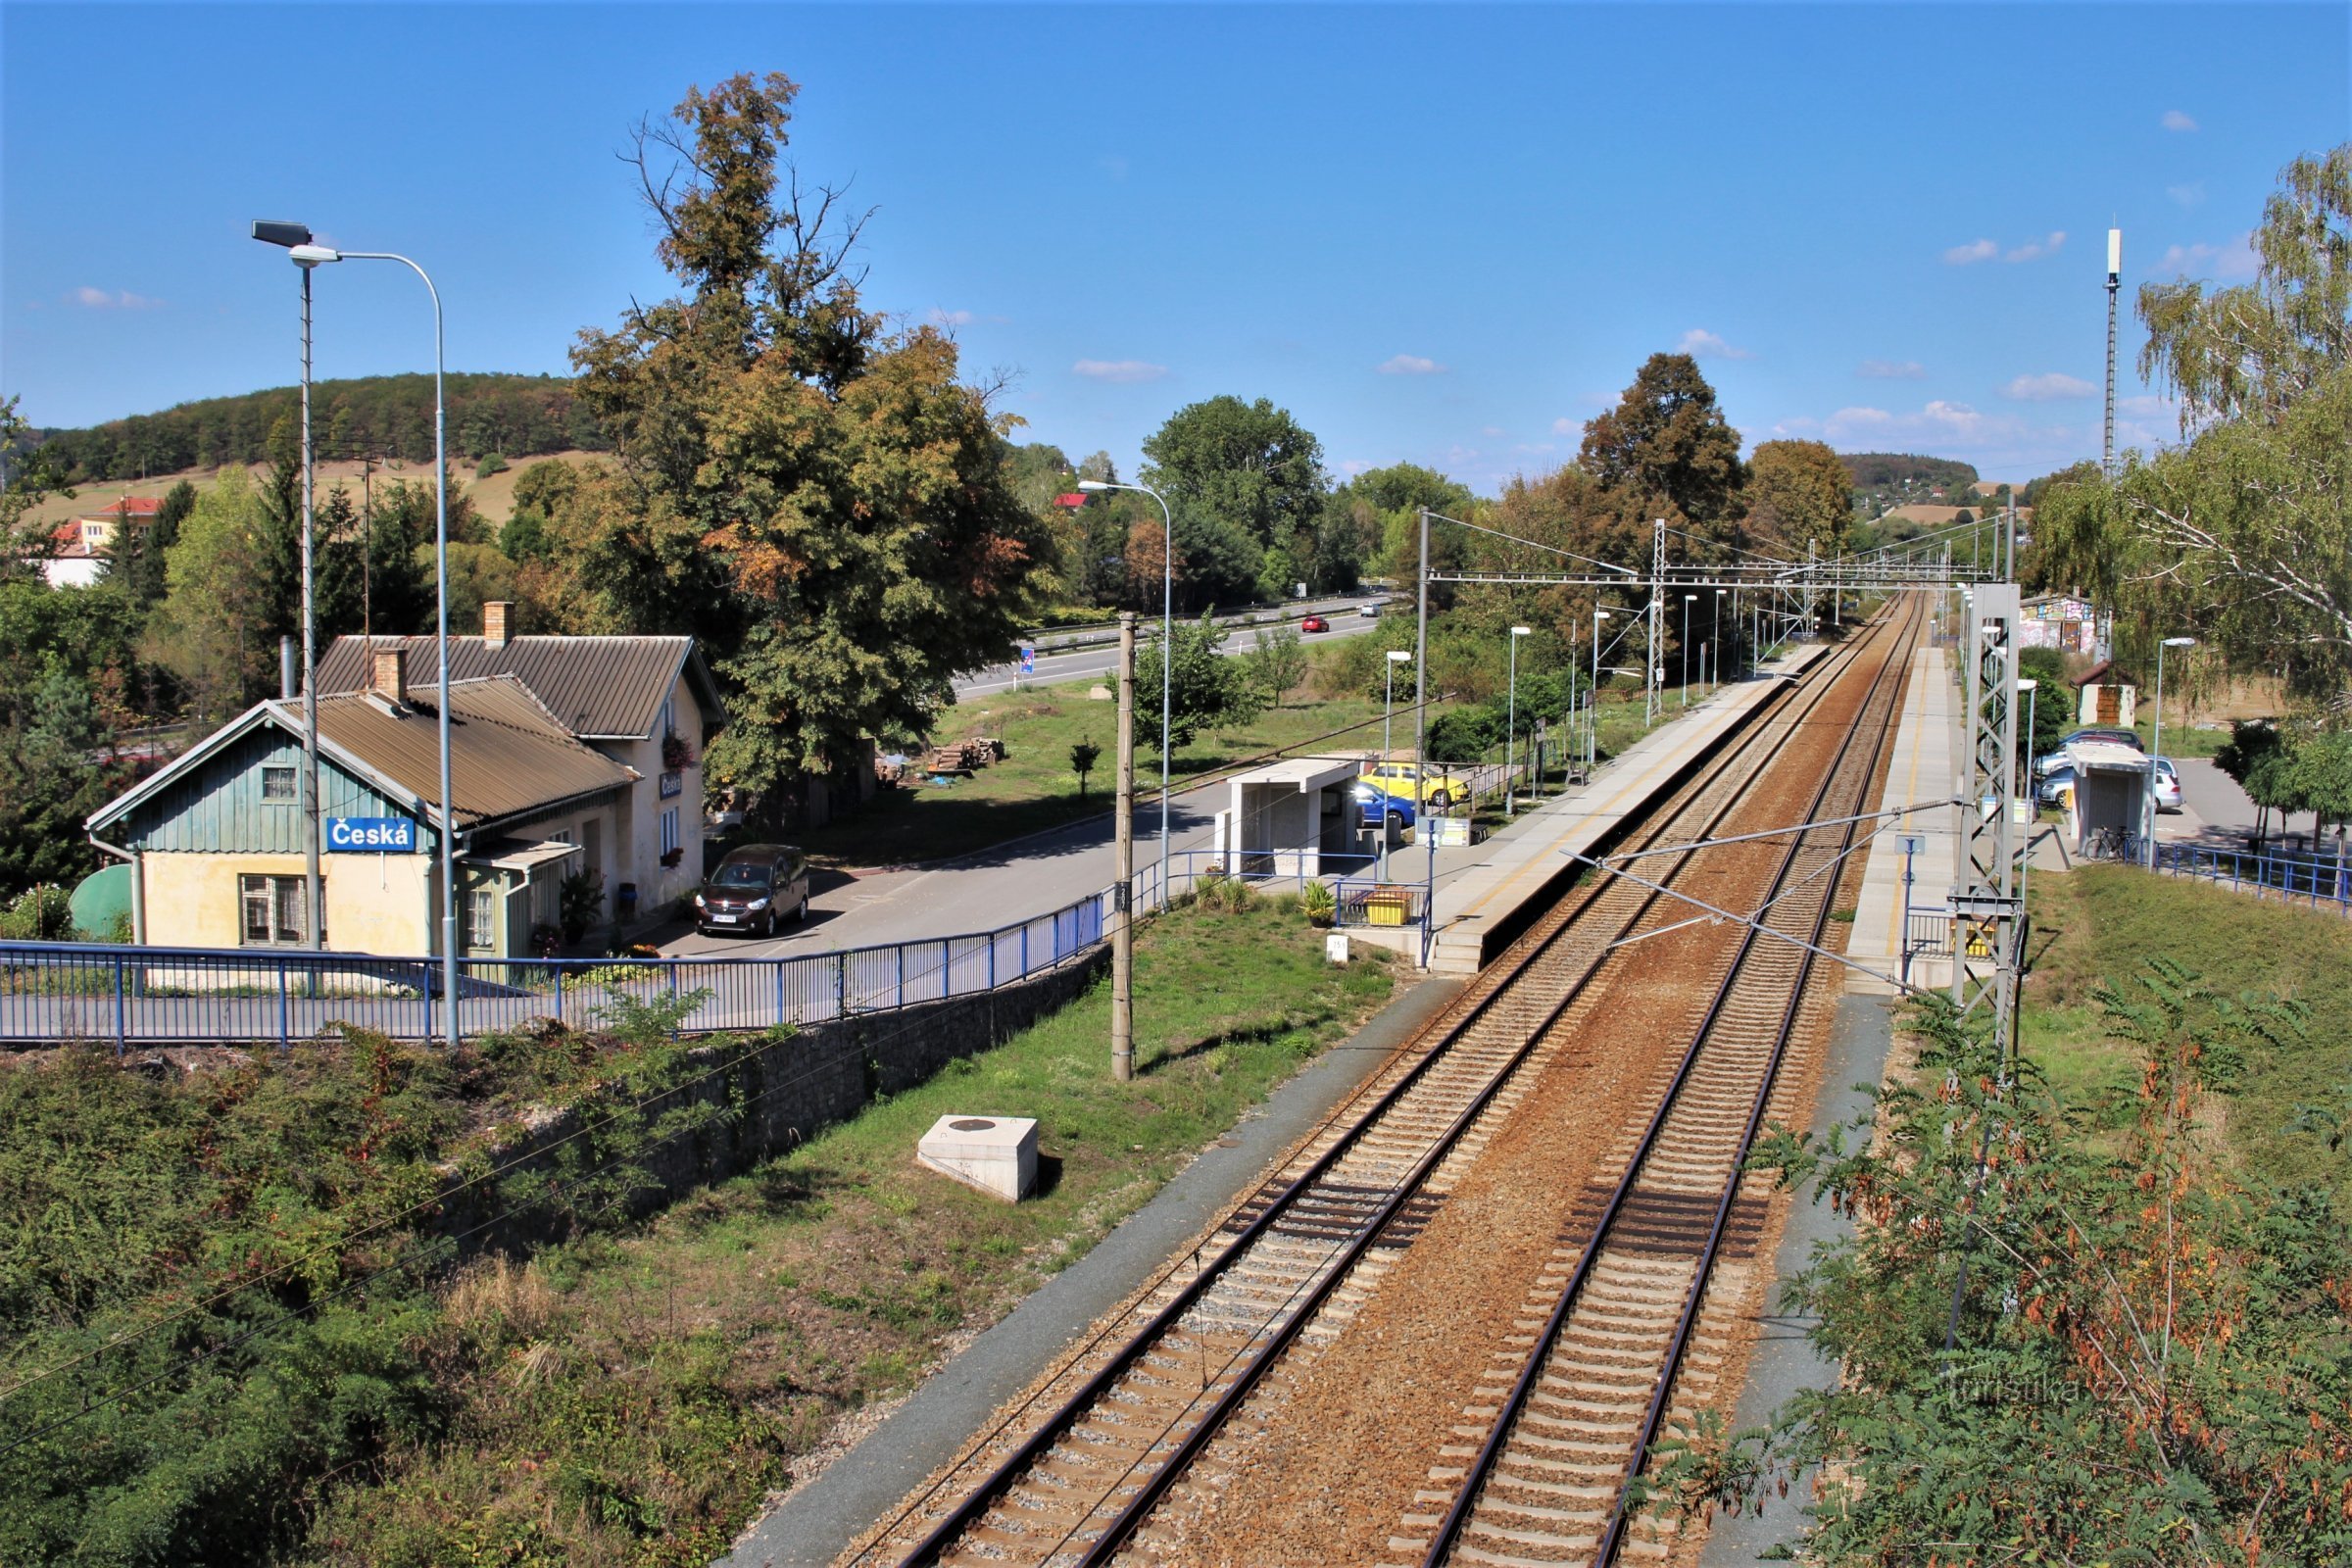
1122,928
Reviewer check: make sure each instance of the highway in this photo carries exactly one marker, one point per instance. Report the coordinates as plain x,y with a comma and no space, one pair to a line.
1344,614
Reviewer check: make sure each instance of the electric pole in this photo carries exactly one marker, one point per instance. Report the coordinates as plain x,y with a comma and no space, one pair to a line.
1122,916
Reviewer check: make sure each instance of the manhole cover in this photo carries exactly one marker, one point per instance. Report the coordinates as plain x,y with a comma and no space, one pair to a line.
971,1124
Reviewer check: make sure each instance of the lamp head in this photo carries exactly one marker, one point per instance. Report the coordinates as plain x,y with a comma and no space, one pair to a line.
1399,655
270,231
2027,684
1603,615
1521,631
1093,484
1689,599
2180,642
306,255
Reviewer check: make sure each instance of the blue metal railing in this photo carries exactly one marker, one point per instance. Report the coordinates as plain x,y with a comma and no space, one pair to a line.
56,992
2322,882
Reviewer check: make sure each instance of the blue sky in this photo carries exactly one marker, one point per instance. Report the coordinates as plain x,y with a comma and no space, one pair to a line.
1440,234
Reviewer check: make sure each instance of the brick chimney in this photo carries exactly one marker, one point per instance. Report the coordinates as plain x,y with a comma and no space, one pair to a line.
391,674
497,616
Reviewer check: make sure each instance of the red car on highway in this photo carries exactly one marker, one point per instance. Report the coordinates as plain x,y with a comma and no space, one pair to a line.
1314,624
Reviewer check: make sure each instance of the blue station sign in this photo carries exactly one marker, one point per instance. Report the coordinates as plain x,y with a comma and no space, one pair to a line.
370,835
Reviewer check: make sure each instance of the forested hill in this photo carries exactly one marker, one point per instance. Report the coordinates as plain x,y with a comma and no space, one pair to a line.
389,416
1884,479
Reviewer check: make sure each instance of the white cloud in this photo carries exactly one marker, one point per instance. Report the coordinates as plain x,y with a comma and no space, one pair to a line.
2187,195
2050,387
2033,248
1120,372
2233,259
1699,343
1351,466
98,299
1410,364
1492,432
1891,370
1567,427
939,317
1981,250
2174,120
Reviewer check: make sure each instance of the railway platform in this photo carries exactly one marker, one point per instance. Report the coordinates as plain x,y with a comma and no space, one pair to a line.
1926,767
1482,906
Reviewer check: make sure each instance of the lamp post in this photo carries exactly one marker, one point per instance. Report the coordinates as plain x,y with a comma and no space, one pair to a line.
297,238
1593,709
305,255
1167,649
1510,728
1688,600
2032,688
1387,710
2156,741
1715,642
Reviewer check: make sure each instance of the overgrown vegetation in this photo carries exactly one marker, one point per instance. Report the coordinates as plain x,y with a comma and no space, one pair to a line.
2142,1232
231,1335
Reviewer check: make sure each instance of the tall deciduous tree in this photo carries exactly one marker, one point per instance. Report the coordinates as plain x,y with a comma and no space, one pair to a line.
814,494
1246,481
2245,531
1798,494
215,628
1667,451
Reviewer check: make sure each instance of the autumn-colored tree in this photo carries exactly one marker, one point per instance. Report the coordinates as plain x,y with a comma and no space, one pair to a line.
1798,494
1666,450
813,493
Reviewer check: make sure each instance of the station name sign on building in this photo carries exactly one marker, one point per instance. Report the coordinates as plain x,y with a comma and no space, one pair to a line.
370,835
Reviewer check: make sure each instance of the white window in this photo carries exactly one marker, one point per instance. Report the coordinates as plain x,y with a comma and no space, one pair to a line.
669,829
277,783
669,715
272,910
563,836
482,917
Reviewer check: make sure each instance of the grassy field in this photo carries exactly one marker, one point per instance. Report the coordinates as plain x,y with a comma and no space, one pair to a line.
2103,924
492,498
1033,788
630,1398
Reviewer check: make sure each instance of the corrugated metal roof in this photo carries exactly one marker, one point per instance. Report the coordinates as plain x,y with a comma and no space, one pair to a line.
601,687
507,753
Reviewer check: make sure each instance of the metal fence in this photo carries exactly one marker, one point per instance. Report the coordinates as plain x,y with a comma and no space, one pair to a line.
57,992
2321,882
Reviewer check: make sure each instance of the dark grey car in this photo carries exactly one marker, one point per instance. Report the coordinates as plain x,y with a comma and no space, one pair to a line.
752,891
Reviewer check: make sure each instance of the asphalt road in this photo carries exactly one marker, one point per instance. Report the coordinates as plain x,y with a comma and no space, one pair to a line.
1345,618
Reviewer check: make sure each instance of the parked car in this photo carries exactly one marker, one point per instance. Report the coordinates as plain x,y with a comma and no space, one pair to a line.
750,887
1314,624
2055,782
1375,803
2168,784
1404,779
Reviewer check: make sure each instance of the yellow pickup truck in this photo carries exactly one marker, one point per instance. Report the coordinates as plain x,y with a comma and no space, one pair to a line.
1405,780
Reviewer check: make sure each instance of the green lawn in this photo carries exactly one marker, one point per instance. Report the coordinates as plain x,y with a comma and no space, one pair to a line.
1033,786
630,1398
2103,922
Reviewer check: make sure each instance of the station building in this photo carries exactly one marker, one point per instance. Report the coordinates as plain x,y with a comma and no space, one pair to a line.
568,756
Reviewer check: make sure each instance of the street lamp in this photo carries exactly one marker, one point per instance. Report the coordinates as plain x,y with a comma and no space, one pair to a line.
1510,728
307,255
1715,642
2030,687
1593,700
2156,741
1388,710
1167,647
297,238
1688,600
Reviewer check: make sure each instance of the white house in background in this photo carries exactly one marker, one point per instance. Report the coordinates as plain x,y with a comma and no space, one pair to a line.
84,542
646,703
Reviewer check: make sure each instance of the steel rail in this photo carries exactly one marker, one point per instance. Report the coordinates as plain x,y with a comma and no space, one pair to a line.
1480,1469
976,1504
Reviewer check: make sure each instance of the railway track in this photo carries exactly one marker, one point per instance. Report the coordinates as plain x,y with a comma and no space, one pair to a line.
1550,1483
1075,1474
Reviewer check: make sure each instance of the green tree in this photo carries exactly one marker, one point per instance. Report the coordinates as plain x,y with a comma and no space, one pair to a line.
140,566
1083,757
215,629
816,495
1277,663
2246,530
1246,481
1667,451
1206,689
52,778
1798,494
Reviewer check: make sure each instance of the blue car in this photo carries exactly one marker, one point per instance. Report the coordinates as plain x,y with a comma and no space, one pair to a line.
1375,803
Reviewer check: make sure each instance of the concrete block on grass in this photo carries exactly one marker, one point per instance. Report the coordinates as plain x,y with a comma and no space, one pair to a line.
993,1154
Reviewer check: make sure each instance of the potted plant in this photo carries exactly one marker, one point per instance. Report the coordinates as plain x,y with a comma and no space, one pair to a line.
1322,906
673,856
676,755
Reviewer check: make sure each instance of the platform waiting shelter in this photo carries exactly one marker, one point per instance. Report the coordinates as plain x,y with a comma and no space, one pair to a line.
1285,820
2110,794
